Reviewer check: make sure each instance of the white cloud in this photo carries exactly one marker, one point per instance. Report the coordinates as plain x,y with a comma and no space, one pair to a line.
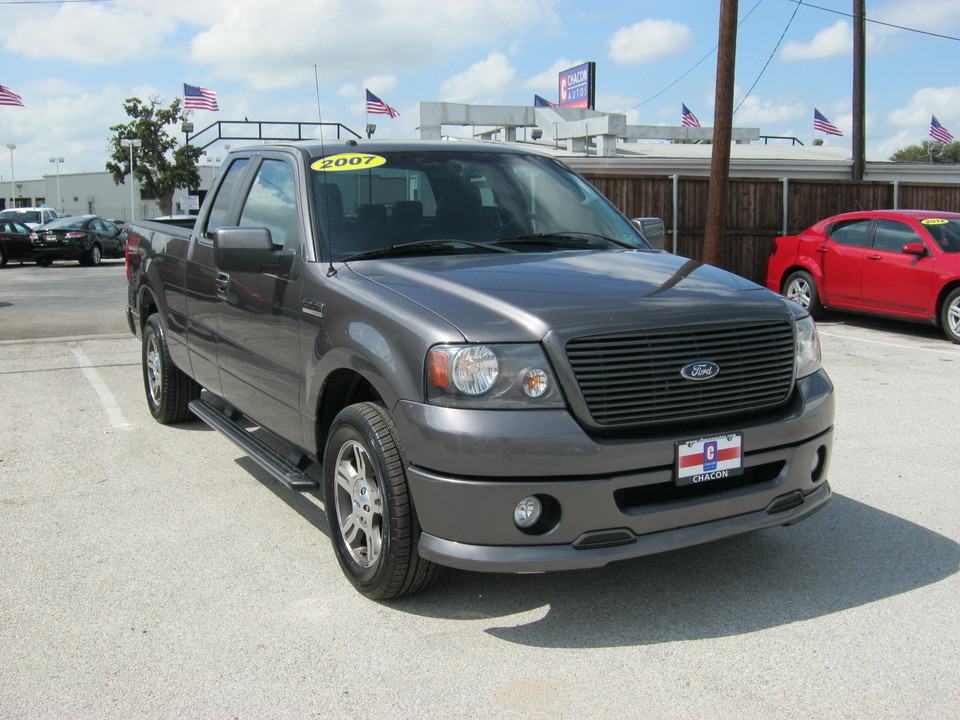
755,112
90,34
834,41
548,80
649,40
253,42
942,102
930,15
483,82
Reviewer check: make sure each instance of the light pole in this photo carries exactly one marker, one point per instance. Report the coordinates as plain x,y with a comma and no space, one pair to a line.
132,143
13,189
58,160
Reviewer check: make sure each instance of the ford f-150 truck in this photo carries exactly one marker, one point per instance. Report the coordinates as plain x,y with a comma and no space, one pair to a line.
476,361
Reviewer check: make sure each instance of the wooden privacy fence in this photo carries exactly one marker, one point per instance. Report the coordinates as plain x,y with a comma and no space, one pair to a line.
755,209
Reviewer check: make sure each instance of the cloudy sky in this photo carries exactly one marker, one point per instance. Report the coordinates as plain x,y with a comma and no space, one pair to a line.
74,63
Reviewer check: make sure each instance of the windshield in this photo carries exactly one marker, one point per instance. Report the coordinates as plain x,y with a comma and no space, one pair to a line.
946,233
26,216
368,202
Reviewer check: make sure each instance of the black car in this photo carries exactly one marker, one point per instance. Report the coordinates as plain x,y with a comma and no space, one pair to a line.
87,238
14,242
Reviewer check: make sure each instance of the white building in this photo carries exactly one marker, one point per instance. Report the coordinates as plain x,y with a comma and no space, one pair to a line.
93,193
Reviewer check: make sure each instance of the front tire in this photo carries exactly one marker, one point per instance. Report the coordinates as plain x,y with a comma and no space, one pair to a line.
802,288
169,390
373,524
950,316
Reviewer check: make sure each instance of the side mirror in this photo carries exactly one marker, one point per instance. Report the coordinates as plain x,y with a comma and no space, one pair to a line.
914,248
653,231
241,249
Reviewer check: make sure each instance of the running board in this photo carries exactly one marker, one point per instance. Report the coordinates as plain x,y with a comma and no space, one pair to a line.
266,457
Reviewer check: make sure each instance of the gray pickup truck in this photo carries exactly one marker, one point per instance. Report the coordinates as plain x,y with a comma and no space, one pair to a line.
476,361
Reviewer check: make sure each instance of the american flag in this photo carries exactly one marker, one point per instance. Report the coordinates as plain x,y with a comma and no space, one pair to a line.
687,118
376,106
939,132
542,102
821,123
9,97
198,98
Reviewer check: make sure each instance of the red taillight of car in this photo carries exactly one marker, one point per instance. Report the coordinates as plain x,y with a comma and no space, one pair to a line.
75,235
131,243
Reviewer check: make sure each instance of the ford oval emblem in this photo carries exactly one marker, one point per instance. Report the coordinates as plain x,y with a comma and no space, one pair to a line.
700,370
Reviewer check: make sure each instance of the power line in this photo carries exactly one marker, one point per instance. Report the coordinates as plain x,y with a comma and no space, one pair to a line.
877,22
774,52
654,97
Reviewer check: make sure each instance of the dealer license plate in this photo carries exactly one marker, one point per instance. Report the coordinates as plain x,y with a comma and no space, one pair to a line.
709,458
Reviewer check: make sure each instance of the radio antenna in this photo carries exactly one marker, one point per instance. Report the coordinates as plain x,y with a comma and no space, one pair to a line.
331,270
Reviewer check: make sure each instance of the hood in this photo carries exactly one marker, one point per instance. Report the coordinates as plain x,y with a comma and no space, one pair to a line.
521,297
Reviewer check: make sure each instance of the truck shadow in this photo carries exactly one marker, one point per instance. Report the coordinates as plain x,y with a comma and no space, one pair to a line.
848,555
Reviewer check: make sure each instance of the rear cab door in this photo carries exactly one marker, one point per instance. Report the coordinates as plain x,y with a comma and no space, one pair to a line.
200,281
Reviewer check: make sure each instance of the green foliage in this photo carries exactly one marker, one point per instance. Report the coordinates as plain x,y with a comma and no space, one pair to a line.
929,151
160,165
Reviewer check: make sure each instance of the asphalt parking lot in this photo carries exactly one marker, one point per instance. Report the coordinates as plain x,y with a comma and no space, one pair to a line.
156,572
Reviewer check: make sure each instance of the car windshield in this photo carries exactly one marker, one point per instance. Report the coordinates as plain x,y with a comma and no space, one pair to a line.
25,216
418,202
65,224
946,233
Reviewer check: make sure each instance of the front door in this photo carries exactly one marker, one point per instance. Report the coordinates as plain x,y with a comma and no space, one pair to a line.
895,281
258,316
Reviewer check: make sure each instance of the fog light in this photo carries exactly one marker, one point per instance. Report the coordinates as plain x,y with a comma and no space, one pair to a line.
527,512
819,463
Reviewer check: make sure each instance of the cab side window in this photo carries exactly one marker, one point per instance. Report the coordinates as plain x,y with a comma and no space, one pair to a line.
225,195
272,203
850,232
892,235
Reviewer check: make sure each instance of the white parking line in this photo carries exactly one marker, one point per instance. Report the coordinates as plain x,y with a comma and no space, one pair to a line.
107,400
948,350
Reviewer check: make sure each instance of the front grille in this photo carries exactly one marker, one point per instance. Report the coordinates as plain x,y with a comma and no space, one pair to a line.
634,378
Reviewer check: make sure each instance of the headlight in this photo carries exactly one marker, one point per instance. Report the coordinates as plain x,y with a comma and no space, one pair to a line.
808,347
491,376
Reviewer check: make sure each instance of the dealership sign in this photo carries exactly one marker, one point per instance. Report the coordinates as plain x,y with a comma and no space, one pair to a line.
578,86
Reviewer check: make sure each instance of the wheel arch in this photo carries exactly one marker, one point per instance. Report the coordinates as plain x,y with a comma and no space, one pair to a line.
795,267
948,288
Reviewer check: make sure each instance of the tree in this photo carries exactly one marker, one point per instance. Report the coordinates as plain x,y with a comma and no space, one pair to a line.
160,164
929,151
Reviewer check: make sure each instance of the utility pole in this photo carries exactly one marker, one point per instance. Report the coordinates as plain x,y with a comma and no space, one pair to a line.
859,88
722,133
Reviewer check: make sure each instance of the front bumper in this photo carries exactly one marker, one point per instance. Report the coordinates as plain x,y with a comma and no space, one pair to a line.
608,499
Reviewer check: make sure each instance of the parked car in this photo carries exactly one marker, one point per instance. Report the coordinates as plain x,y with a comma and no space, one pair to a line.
87,238
14,242
898,263
32,217
122,224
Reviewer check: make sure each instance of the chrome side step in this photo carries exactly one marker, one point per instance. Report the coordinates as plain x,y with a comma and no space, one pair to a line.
266,457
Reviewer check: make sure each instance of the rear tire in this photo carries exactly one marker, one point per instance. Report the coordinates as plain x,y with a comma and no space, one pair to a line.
93,256
950,316
3,257
169,390
373,524
802,288
44,262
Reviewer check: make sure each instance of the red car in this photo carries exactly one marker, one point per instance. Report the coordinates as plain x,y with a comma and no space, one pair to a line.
899,263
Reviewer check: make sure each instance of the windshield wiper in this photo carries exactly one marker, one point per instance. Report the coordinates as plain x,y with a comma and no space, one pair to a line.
560,239
414,247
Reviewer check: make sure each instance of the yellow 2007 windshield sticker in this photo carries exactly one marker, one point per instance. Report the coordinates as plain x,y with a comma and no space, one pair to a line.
934,221
348,161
